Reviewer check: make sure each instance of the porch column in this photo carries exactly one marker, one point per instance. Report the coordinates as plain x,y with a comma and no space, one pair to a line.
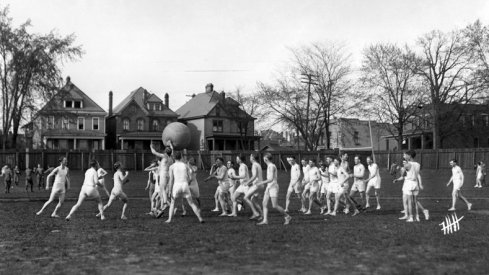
103,144
213,144
224,145
409,143
422,142
122,144
74,143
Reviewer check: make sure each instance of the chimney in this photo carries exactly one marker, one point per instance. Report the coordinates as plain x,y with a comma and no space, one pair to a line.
223,95
167,100
110,103
68,80
209,88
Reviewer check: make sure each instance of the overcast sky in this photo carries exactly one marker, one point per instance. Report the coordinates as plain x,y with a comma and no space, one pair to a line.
177,47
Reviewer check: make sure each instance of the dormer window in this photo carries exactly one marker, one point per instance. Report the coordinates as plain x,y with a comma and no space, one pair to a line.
77,104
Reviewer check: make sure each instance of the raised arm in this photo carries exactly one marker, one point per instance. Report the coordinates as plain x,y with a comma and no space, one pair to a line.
153,151
48,179
124,177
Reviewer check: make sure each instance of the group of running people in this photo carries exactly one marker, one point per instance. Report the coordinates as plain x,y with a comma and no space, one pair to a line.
326,184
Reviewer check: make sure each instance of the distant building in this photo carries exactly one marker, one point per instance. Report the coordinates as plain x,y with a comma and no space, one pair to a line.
461,126
218,123
138,120
354,133
70,120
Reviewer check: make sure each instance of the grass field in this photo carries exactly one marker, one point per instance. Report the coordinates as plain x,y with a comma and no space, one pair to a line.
374,242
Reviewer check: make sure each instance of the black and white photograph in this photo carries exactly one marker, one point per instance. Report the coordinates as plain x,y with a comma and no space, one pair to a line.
244,137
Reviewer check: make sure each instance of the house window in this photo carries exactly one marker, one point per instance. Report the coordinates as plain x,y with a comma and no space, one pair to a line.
95,123
125,124
217,126
485,119
65,124
140,124
81,123
355,138
68,104
51,122
155,125
159,106
77,104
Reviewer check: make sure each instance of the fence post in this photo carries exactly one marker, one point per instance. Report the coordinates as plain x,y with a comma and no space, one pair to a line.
135,162
437,165
27,158
421,158
42,158
142,161
388,160
112,159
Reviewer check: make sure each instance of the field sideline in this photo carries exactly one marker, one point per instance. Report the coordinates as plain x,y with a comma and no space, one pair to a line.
374,242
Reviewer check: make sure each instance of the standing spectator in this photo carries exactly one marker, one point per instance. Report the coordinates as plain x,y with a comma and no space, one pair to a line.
7,177
16,175
40,176
28,179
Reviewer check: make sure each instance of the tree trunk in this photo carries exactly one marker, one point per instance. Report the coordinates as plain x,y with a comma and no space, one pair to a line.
399,139
436,128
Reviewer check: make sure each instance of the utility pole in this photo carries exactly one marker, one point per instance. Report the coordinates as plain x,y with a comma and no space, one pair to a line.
308,79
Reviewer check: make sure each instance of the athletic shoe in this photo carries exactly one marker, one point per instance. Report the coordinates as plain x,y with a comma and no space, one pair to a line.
308,213
240,207
54,216
346,211
355,213
403,218
410,220
451,209
123,218
287,220
417,218
367,205
426,214
159,214
403,212
378,207
469,206
68,218
215,210
39,213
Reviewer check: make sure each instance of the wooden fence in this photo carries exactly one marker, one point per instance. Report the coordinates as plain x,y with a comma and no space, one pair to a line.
137,160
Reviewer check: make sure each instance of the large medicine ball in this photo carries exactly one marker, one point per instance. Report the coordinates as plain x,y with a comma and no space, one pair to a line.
178,133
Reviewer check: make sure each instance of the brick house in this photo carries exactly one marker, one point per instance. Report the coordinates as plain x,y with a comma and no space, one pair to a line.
138,120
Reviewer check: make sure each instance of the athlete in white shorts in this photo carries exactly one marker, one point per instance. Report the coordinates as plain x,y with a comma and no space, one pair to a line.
358,179
254,188
333,183
305,183
120,178
180,176
89,190
61,184
271,191
242,178
373,181
221,175
295,183
314,178
458,181
323,171
165,162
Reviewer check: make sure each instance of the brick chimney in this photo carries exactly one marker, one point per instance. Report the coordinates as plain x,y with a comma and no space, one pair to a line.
110,103
68,80
223,95
167,100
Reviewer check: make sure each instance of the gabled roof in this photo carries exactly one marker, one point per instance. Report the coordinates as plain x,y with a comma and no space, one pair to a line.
71,92
202,104
141,96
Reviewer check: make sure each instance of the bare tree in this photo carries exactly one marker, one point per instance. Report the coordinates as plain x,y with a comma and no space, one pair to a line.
477,37
447,67
393,90
29,69
329,64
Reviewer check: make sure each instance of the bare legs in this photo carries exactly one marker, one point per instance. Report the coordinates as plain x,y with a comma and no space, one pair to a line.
61,198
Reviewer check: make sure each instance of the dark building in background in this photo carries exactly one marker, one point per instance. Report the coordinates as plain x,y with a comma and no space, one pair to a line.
138,120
